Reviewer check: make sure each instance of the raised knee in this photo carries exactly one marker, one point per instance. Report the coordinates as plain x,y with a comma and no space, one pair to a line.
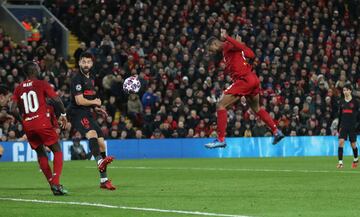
91,134
220,106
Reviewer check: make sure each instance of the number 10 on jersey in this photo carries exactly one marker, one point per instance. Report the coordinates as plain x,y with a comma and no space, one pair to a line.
31,102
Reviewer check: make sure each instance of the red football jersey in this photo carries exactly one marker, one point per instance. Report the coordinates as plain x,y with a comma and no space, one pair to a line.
31,98
234,54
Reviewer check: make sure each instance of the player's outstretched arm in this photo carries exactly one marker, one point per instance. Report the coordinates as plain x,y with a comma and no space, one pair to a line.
58,104
101,111
80,100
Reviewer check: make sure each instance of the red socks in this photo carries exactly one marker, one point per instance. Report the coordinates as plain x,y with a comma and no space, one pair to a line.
264,115
221,123
45,168
58,164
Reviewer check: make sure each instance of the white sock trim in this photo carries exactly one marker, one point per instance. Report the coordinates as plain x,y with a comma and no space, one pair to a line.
102,180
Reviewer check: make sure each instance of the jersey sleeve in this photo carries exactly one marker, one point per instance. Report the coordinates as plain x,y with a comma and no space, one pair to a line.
76,86
49,91
241,46
227,46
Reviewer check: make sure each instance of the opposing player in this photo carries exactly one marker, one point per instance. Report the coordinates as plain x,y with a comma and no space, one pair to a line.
347,125
245,83
83,101
30,97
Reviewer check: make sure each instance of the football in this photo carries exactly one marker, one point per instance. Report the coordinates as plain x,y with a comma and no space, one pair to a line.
132,84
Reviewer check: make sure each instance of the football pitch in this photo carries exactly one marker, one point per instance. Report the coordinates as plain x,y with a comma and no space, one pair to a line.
247,187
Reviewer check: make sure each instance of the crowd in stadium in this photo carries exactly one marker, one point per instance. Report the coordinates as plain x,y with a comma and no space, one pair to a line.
305,52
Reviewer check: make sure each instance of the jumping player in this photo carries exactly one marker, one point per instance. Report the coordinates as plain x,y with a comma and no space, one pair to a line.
30,97
347,125
245,83
83,101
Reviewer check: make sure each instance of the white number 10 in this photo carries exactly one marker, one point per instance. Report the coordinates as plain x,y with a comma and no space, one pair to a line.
31,102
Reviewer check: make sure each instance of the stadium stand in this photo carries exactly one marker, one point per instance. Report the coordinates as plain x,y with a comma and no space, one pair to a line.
305,53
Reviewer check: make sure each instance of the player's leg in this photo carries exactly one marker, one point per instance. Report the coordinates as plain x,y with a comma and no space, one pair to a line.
86,125
102,147
254,103
341,152
225,101
44,162
56,187
50,139
352,138
104,181
57,163
92,136
36,144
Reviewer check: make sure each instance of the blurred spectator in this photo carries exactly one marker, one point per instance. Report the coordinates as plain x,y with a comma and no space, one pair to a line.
77,151
259,129
149,98
139,134
157,134
113,134
135,109
123,134
248,132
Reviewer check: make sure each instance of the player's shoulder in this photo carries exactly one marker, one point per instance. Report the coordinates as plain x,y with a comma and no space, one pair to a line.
41,84
77,77
227,45
18,88
356,101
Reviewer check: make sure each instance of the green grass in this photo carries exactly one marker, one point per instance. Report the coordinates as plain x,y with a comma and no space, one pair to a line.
268,187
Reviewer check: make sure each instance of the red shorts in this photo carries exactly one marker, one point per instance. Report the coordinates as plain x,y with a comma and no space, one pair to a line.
249,85
46,136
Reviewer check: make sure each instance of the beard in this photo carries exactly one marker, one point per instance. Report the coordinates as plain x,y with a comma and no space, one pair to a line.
85,70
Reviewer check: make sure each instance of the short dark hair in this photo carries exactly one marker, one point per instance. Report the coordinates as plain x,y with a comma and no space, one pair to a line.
30,68
348,86
86,55
210,41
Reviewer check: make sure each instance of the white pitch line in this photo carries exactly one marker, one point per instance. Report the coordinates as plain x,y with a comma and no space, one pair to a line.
234,169
122,207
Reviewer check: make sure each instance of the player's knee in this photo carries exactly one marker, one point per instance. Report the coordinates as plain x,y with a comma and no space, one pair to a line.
220,106
341,143
40,151
55,147
91,134
101,142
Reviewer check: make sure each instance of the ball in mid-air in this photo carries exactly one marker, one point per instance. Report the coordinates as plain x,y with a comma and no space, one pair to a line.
132,84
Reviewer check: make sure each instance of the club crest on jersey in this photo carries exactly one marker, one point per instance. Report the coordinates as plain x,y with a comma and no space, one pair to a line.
351,105
78,87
